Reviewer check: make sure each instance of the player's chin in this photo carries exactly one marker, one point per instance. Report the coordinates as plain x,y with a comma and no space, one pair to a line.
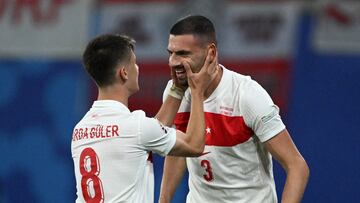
183,82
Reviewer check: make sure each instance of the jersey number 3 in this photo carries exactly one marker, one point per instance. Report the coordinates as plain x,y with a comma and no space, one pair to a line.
208,176
91,185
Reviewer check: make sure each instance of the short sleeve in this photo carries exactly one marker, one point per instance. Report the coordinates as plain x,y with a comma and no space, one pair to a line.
156,137
260,113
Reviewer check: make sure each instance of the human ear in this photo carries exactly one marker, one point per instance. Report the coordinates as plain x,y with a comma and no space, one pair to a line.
212,52
123,73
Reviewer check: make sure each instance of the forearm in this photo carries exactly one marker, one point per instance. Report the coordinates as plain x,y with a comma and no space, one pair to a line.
174,168
296,180
195,132
168,110
284,150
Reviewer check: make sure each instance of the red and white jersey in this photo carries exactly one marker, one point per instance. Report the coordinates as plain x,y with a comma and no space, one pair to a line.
111,152
235,166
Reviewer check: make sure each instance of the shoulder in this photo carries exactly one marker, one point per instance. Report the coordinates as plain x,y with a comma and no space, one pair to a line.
168,84
138,113
143,121
146,124
252,91
247,87
135,119
240,86
236,79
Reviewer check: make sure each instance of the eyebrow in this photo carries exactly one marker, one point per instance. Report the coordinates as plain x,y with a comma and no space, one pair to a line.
180,52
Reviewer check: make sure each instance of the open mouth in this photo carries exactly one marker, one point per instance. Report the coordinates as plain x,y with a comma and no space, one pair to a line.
180,73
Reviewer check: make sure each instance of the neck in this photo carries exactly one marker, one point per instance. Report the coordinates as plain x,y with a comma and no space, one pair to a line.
114,93
214,83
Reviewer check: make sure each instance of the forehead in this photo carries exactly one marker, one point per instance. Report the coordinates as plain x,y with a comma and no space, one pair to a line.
183,42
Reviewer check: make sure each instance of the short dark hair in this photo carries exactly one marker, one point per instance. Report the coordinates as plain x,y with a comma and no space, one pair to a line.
104,53
196,25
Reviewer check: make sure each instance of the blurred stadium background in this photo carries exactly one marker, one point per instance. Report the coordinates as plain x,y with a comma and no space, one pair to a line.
305,53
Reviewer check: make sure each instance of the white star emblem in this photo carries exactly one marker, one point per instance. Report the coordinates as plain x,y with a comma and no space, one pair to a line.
208,130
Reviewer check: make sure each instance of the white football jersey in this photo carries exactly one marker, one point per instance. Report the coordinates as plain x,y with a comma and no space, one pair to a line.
235,166
111,148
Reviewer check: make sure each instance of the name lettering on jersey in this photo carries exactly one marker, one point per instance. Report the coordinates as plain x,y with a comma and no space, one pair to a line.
98,132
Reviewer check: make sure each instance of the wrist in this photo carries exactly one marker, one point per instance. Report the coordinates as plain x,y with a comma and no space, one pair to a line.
176,92
197,95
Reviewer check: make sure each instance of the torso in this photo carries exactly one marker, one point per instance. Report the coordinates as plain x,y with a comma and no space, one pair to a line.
234,166
110,161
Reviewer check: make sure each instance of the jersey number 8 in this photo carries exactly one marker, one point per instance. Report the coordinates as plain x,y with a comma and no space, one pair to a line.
91,185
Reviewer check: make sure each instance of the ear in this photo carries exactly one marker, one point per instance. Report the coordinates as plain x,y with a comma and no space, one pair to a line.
123,73
213,51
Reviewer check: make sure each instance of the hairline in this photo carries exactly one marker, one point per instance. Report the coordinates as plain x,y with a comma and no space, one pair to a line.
201,39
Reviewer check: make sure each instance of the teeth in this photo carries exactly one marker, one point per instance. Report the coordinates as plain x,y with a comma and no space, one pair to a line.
180,71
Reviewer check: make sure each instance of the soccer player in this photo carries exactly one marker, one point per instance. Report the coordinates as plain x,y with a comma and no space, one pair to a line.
110,145
243,131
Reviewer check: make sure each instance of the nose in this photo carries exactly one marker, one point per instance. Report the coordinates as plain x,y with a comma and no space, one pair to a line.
174,60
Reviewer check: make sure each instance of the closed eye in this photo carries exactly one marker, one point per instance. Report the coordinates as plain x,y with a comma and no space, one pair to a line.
183,53
180,53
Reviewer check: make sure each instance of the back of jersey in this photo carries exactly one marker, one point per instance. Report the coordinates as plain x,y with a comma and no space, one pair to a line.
110,163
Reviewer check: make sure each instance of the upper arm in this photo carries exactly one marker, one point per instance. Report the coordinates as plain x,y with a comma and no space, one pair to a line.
260,113
164,140
156,137
283,149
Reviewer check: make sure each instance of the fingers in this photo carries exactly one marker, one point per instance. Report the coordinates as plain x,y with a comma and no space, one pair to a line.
187,68
206,63
173,74
174,77
210,64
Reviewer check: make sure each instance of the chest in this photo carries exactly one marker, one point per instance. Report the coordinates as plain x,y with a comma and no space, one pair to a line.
225,125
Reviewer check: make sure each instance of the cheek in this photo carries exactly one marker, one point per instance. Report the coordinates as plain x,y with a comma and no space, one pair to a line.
199,62
197,66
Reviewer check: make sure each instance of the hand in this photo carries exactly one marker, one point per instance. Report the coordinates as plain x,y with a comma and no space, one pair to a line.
199,82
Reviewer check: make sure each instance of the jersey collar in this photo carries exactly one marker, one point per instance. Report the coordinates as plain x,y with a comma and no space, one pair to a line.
224,79
111,104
